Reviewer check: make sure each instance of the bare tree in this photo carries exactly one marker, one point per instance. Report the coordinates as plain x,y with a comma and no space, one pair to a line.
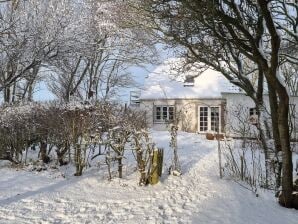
106,45
290,72
224,34
30,38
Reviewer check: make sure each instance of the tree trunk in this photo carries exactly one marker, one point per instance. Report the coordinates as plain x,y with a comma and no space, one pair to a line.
61,154
13,99
120,165
30,92
286,197
275,132
280,114
78,160
259,101
7,94
265,148
43,152
141,166
274,117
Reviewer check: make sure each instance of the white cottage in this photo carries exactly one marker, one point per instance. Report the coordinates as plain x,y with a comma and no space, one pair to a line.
202,100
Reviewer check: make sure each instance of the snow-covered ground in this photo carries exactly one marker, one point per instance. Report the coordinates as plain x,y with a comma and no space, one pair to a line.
198,196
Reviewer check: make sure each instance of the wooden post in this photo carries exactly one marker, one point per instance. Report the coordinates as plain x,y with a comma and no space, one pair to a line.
160,161
154,174
219,149
242,168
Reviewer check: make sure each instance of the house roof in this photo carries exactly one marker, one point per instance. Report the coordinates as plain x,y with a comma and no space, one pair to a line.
167,82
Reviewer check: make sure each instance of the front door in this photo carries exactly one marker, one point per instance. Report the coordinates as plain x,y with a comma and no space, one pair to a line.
209,119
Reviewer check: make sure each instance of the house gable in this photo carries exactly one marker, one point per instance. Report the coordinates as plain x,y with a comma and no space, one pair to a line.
167,82
166,91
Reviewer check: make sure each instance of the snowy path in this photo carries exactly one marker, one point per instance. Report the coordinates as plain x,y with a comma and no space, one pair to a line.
198,196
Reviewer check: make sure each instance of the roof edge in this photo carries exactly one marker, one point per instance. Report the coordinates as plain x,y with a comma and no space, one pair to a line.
204,98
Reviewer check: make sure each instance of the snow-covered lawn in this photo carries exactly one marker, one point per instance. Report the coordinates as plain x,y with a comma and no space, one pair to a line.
198,196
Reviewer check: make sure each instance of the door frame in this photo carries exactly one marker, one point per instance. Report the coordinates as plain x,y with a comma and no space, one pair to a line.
209,118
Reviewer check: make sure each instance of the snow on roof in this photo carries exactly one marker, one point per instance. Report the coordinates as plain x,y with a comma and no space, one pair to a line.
167,82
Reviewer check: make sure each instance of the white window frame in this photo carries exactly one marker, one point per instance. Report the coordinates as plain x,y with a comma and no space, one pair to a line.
208,118
253,116
215,121
200,120
162,119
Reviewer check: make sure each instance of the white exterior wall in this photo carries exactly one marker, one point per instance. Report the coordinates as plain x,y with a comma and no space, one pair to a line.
237,107
237,114
294,117
186,110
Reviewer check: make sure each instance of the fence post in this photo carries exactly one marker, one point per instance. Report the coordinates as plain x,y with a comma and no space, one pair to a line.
157,162
242,168
219,149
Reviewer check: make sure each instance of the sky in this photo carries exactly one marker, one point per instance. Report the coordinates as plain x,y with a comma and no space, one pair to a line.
139,74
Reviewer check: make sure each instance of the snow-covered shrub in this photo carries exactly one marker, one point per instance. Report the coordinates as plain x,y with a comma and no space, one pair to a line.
123,123
250,158
245,163
175,168
143,147
59,126
17,131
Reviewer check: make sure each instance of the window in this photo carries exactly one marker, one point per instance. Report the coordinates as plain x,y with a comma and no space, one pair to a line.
209,119
163,113
253,111
253,116
214,118
189,81
203,118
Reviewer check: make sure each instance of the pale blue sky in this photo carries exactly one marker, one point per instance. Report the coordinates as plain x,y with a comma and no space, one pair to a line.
43,94
139,73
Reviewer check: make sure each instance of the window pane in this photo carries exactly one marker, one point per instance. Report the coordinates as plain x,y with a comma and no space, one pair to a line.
214,118
165,113
251,111
203,118
157,113
253,116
